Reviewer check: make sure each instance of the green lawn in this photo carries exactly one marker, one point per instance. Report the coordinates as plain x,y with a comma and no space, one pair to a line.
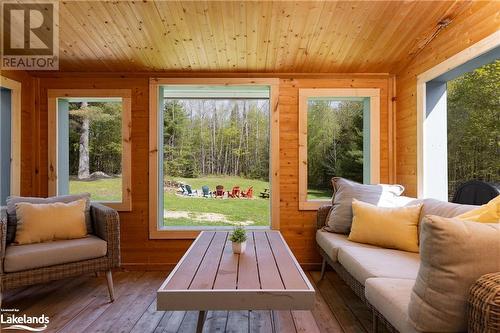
199,211
100,190
315,194
195,211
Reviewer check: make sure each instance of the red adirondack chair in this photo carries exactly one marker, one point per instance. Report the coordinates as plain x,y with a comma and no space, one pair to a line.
219,191
235,192
248,193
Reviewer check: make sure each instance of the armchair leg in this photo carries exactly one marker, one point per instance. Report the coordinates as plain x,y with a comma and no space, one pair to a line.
111,289
323,269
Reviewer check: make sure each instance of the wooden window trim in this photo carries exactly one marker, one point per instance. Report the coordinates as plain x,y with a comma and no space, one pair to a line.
126,95
15,156
154,84
304,94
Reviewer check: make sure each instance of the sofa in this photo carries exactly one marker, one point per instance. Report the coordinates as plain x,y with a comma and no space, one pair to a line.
23,265
383,278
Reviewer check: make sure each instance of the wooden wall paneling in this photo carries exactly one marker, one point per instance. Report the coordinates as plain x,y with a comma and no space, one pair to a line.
141,252
476,22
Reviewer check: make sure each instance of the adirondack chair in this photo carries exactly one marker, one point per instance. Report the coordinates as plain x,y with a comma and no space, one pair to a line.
219,191
206,191
189,191
182,189
248,193
265,194
235,192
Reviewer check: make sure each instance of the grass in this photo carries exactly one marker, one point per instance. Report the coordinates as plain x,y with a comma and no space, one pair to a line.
315,194
253,212
199,211
100,190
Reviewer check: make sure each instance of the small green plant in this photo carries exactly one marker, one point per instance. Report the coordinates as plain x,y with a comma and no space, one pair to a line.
239,235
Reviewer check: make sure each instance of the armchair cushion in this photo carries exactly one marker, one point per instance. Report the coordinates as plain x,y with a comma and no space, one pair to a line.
13,200
24,257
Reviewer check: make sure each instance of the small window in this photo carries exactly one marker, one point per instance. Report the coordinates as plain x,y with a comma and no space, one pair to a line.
93,146
338,138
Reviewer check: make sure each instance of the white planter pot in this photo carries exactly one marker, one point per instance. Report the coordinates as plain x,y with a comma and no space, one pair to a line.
239,247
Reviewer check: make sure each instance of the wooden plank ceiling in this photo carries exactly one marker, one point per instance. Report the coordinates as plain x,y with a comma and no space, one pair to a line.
228,36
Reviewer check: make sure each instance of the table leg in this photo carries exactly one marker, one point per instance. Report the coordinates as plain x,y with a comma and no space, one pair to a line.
201,320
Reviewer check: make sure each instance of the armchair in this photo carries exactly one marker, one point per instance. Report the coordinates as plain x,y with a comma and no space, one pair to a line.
22,265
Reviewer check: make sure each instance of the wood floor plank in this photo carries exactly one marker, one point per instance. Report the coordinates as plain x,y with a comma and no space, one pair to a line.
96,308
292,279
269,273
237,322
189,322
215,322
283,322
248,275
205,276
81,305
357,307
227,274
342,313
185,274
260,321
149,320
323,316
304,322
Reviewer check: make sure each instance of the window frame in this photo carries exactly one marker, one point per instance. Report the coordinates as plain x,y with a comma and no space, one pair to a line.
304,94
432,177
126,96
154,98
15,137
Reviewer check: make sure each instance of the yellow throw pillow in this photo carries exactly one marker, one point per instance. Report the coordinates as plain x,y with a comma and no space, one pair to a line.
394,228
489,213
38,223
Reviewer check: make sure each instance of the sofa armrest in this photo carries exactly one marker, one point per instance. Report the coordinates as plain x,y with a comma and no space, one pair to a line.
3,235
323,212
106,223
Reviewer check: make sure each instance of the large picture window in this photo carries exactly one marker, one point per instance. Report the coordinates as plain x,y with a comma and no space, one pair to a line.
10,138
213,168
457,120
338,137
90,145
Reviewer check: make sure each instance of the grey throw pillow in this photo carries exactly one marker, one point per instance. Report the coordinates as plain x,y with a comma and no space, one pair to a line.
344,191
453,254
13,200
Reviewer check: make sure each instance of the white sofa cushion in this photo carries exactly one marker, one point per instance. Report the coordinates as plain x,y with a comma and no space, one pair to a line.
364,263
23,257
391,298
331,243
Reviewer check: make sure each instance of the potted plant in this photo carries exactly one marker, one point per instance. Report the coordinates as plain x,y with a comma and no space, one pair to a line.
239,239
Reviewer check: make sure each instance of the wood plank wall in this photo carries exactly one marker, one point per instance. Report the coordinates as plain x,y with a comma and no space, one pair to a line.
476,23
138,251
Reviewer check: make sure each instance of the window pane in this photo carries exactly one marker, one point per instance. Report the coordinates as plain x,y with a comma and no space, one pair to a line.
334,143
473,126
215,158
95,148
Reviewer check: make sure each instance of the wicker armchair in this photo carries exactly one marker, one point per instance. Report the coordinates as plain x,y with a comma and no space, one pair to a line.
106,226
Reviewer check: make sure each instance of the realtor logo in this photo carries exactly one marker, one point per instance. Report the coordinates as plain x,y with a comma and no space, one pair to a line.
30,35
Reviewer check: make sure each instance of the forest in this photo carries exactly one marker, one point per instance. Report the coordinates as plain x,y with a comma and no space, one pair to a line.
474,126
334,142
216,137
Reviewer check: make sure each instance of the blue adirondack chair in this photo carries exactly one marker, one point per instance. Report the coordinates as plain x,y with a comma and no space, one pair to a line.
206,191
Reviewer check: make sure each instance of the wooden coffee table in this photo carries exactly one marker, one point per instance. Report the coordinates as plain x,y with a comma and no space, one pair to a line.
210,277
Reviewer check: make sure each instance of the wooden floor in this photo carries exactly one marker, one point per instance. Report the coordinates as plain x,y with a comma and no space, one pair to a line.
81,305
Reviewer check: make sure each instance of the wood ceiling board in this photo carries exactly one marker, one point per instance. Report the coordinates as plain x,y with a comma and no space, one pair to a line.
247,36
